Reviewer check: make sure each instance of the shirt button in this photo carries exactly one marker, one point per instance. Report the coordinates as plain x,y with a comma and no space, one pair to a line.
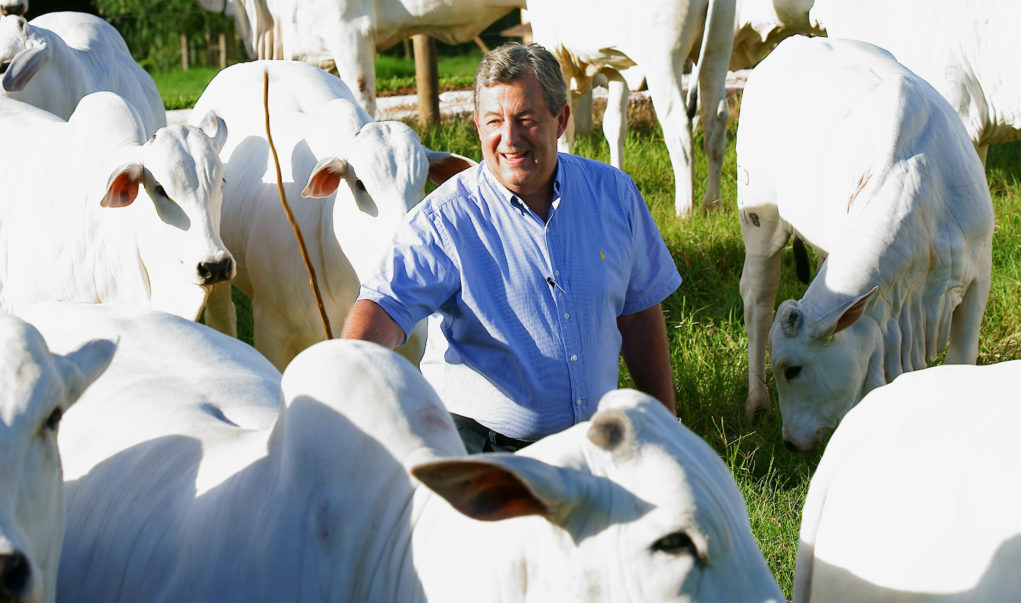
574,357
578,401
567,315
556,273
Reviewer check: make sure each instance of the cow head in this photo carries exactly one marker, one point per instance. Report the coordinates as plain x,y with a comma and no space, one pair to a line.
820,365
22,52
172,185
36,389
637,508
378,171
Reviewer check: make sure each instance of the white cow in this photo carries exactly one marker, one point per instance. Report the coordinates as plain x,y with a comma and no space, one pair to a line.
350,32
368,173
590,38
93,209
36,388
57,58
916,497
171,496
872,168
966,50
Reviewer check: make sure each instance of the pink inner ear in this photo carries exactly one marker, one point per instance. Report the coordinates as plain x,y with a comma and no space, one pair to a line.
323,183
441,171
122,191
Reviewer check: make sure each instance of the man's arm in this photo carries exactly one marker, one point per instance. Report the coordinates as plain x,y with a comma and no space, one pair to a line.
647,355
367,320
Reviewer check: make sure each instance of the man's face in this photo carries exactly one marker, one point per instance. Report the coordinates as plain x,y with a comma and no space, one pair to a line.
519,135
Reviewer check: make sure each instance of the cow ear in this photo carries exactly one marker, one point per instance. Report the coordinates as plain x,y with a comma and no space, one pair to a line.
215,128
443,166
82,366
325,177
24,65
122,188
843,316
492,487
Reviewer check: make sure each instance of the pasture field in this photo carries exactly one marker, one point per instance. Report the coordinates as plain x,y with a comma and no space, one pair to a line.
181,89
705,317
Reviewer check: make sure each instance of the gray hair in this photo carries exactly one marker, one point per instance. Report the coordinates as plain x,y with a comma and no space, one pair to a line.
511,61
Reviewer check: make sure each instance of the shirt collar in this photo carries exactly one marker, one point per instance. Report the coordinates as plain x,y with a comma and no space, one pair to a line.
516,201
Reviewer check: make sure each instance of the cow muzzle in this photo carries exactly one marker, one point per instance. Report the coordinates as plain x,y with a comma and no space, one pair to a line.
218,271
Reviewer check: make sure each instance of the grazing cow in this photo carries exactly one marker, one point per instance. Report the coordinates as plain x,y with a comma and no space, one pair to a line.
916,496
351,32
172,496
368,173
58,58
872,168
599,38
92,209
36,389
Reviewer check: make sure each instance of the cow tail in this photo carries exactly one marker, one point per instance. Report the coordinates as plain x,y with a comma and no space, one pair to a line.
692,101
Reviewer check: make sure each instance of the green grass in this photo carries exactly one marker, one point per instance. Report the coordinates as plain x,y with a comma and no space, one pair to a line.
181,89
397,75
705,318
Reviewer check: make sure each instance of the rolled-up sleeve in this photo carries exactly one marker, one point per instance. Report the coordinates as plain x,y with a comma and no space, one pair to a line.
654,275
417,276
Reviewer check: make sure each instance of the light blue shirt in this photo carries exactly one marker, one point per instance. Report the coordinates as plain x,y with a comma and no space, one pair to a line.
523,335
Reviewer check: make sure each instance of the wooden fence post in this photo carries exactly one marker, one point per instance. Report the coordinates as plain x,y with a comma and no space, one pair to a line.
427,80
223,50
184,52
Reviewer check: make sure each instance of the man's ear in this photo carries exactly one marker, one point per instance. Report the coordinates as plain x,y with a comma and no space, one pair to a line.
562,117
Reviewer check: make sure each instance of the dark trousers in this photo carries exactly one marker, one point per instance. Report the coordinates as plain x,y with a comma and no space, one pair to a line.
478,438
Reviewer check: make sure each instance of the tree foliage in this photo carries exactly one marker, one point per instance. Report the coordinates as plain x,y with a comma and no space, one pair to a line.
153,28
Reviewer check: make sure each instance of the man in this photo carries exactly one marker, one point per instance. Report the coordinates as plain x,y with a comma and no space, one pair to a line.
542,270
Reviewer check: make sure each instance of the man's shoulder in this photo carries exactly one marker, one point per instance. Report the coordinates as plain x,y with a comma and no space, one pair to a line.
592,170
453,195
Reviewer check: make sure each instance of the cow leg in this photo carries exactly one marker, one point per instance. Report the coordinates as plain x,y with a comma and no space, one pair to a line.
565,144
582,113
760,279
615,120
354,53
414,347
712,92
274,336
983,151
665,89
220,311
965,322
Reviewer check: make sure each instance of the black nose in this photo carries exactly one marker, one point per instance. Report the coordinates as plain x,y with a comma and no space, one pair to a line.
15,572
212,273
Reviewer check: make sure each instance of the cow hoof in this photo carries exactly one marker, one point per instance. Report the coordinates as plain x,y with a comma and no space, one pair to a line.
756,406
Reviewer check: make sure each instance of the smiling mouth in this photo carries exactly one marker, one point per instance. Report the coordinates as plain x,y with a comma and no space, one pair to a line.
514,157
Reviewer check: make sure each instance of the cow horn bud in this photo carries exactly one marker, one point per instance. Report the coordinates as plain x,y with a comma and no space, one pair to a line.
610,428
790,318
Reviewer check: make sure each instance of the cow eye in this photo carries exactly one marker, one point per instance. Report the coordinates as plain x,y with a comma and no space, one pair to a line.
53,420
791,372
678,543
